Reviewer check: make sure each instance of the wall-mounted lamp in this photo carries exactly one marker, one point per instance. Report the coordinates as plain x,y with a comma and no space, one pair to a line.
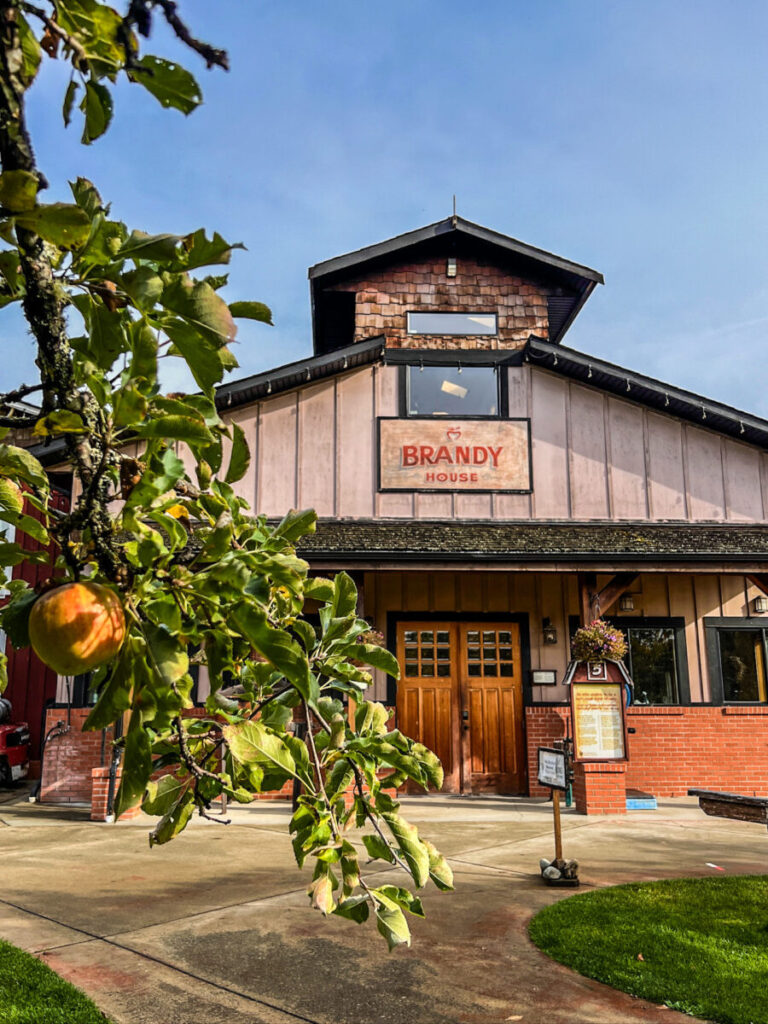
450,267
626,603
760,605
549,633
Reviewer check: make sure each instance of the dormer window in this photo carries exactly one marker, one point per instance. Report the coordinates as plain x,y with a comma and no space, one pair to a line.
452,323
452,391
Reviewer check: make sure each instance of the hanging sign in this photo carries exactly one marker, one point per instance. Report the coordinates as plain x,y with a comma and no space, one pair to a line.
598,721
431,454
552,768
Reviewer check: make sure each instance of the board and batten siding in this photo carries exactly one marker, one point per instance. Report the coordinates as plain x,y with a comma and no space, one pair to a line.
554,596
595,457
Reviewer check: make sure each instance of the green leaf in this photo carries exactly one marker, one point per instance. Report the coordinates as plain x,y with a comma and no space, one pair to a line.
62,224
97,106
149,247
203,252
439,869
168,656
69,101
378,849
14,618
31,53
390,921
319,589
143,343
33,528
413,851
203,359
251,311
161,796
61,421
295,525
18,463
321,893
344,596
115,693
144,286
130,407
86,196
137,765
158,478
18,190
169,83
240,458
176,428
375,656
406,900
107,338
174,821
199,306
252,743
275,645
356,909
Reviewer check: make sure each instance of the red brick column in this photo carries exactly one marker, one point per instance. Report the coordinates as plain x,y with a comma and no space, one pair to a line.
600,787
100,794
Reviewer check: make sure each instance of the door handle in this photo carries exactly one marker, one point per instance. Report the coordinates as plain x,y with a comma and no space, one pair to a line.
465,718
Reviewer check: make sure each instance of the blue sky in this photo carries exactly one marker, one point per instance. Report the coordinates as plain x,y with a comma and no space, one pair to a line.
631,137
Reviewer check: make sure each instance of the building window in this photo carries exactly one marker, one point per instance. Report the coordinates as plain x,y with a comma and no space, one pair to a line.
452,391
452,323
742,658
656,658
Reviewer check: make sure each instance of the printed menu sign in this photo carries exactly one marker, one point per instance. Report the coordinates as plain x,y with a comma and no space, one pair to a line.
552,768
598,721
433,454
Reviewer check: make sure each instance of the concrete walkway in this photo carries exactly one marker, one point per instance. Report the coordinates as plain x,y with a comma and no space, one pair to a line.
216,926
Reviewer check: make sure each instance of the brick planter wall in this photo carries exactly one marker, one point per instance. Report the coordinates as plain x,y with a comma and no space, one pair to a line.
70,758
600,788
675,748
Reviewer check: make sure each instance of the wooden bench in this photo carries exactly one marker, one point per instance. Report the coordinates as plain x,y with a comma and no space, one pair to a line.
732,805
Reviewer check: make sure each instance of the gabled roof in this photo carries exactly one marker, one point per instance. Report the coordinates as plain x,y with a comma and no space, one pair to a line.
462,236
655,394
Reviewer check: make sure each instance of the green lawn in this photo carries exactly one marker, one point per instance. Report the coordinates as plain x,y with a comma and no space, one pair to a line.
703,942
30,993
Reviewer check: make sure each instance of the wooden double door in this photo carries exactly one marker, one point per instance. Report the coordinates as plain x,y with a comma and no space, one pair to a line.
461,694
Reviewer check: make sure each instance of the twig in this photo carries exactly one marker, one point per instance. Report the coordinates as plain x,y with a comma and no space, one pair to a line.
55,29
21,392
372,819
211,56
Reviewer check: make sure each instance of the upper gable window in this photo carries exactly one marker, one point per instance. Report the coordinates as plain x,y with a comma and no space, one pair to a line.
452,323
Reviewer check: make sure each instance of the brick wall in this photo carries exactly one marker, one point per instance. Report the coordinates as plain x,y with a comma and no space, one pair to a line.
384,297
70,758
600,788
672,749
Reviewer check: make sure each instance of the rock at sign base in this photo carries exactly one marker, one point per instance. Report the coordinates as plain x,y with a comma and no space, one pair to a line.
544,863
551,872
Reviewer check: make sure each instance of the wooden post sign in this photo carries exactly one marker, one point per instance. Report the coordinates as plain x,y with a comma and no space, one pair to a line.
552,773
597,710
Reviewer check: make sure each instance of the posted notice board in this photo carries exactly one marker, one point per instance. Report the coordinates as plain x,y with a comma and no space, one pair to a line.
598,721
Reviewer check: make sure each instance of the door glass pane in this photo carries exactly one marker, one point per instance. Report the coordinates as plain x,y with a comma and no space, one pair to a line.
473,653
506,653
653,665
489,669
443,669
411,652
474,670
473,637
443,653
426,638
507,669
743,664
489,638
411,668
411,637
427,668
443,637
505,637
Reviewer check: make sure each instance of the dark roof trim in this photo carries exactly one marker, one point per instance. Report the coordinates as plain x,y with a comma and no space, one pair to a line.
655,394
393,245
303,371
451,357
538,542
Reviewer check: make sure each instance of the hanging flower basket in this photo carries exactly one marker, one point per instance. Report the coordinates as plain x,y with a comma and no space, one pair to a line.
598,641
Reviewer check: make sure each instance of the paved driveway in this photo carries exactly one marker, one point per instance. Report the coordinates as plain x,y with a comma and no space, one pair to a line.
216,927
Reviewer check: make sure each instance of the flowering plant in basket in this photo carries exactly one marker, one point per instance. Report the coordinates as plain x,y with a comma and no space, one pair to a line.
598,641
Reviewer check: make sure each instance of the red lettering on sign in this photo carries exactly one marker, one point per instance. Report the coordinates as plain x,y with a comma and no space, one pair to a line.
462,455
443,455
494,453
410,455
426,452
479,455
473,478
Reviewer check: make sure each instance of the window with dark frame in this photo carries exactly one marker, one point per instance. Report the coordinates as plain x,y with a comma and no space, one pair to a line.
656,658
742,657
452,390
